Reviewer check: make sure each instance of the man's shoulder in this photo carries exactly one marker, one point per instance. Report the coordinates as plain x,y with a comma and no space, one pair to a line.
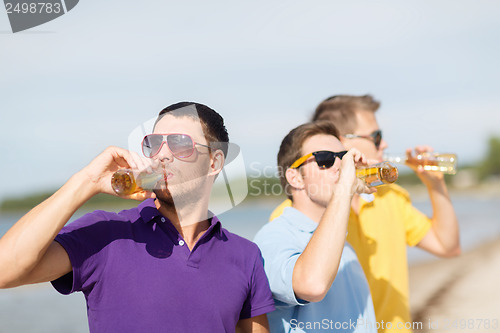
392,190
279,224
126,215
280,228
103,217
238,242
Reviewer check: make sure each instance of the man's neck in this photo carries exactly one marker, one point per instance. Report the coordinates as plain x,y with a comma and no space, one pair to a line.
309,208
315,211
191,221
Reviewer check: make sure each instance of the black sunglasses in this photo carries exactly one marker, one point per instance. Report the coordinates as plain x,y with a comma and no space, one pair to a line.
375,136
324,158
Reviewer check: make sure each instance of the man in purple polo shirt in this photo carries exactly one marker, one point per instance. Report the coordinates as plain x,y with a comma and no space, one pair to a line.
164,266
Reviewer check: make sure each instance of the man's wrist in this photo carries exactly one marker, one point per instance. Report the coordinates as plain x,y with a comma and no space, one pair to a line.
433,182
342,189
84,187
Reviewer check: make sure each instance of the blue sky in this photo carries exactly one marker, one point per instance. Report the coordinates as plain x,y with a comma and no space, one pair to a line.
84,81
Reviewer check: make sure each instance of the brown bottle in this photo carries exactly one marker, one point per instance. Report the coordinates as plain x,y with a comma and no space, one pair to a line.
125,182
378,174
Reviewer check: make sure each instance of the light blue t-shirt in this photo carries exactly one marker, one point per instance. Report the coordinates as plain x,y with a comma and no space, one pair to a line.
347,307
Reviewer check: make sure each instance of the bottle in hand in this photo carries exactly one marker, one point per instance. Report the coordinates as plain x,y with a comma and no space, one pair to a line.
445,163
378,174
125,181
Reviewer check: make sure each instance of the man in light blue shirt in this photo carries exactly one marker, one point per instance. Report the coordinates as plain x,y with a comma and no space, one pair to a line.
316,279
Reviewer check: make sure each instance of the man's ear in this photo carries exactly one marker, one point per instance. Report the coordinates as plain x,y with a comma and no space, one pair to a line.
216,163
294,178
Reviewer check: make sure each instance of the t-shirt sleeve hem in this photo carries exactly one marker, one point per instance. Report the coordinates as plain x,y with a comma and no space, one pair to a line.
418,235
260,311
290,297
66,284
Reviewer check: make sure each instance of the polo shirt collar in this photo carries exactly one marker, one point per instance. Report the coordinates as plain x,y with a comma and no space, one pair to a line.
299,220
148,212
215,225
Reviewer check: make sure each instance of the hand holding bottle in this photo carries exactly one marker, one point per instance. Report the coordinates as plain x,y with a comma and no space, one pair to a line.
424,162
101,169
378,174
348,176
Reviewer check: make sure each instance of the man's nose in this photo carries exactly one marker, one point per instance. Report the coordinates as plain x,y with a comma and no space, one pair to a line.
165,153
383,145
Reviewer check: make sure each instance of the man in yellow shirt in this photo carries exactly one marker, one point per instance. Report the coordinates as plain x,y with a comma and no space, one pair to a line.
382,224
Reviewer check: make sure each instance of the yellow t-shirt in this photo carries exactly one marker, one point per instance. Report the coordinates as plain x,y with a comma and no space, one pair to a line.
379,235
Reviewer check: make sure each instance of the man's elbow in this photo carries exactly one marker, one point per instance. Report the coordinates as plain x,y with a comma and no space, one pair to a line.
6,284
311,291
449,252
453,252
4,281
9,276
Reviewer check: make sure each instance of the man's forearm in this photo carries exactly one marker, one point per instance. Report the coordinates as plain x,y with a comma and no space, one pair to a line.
23,246
317,266
444,220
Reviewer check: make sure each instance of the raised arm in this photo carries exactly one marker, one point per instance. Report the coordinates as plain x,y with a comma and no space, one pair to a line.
317,266
28,252
443,237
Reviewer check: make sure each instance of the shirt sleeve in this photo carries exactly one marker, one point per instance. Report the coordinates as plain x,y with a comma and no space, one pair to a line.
280,255
416,223
279,210
84,240
260,299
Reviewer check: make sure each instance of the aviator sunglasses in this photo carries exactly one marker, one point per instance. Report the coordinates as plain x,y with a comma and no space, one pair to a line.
324,158
180,145
375,136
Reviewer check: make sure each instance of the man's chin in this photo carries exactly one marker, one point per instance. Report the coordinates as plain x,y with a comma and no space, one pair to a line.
163,195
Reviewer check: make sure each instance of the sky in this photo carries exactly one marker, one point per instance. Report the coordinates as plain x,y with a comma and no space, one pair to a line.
73,86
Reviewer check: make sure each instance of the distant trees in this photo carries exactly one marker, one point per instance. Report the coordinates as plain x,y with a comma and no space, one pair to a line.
490,166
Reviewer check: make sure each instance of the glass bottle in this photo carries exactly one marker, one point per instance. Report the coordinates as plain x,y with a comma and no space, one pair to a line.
378,174
445,163
125,181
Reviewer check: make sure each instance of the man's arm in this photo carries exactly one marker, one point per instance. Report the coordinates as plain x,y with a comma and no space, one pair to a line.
317,266
256,324
443,237
28,252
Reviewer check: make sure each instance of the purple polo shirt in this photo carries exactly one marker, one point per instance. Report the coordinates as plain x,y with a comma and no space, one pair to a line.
138,275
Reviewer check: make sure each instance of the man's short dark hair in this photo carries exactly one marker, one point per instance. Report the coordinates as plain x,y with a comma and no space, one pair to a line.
341,110
291,146
212,123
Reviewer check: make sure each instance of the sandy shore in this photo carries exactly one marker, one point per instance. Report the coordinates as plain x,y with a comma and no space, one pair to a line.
460,294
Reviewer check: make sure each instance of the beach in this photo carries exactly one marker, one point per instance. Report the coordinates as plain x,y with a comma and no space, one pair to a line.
460,294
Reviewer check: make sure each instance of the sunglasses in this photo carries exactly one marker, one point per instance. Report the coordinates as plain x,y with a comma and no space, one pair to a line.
375,136
180,145
324,158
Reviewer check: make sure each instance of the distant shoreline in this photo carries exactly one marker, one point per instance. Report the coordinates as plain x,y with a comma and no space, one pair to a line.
485,190
108,202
